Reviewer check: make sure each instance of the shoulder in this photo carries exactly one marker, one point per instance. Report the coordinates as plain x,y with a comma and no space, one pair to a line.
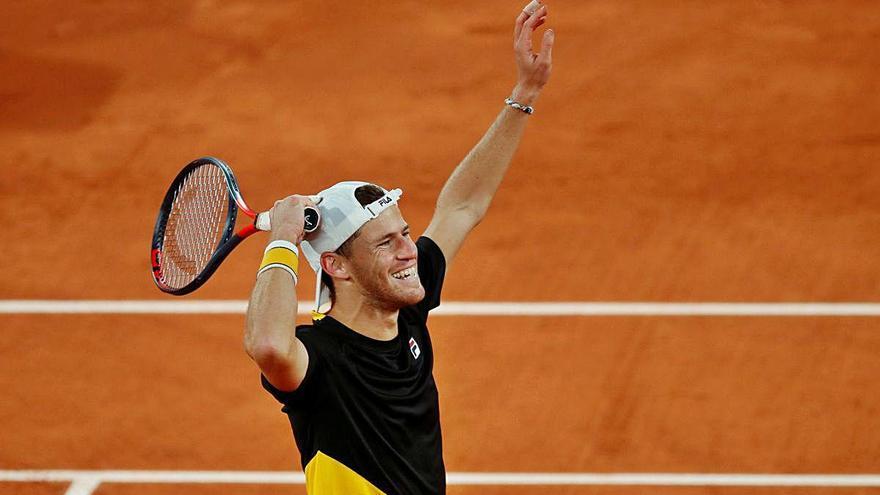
313,336
431,262
305,331
319,347
428,247
432,271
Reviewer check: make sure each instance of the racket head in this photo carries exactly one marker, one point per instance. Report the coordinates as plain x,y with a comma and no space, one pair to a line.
194,226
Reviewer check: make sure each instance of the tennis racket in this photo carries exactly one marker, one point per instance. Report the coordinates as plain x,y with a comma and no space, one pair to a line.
194,229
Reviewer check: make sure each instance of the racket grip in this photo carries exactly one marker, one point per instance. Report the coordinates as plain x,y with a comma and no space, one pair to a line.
312,220
263,222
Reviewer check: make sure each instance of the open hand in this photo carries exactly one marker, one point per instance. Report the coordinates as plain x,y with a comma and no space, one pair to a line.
533,69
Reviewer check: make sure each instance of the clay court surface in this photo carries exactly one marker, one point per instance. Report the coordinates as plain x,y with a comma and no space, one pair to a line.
724,151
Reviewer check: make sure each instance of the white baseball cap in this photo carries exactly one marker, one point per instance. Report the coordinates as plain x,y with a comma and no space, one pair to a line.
341,216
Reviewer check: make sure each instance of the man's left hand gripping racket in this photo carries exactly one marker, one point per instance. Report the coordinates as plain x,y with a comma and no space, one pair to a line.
194,230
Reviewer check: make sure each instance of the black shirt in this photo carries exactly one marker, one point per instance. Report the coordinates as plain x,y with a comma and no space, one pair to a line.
366,417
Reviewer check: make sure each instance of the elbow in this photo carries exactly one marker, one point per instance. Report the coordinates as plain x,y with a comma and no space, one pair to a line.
264,353
471,213
262,348
474,215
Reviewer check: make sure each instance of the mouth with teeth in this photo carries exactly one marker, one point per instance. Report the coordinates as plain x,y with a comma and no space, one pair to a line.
406,274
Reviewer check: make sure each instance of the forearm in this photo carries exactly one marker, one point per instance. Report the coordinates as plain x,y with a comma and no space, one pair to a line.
476,179
271,315
474,182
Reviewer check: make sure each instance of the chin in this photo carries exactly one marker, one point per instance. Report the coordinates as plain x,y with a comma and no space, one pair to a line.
409,297
394,295
417,296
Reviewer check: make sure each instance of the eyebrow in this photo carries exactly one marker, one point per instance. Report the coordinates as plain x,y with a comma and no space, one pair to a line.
386,236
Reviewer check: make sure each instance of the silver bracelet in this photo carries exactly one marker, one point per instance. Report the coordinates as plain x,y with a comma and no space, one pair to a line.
519,106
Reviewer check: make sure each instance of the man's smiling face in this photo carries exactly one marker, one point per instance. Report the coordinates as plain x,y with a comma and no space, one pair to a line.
383,262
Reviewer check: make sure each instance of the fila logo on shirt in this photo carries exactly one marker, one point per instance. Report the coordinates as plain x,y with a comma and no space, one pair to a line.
414,348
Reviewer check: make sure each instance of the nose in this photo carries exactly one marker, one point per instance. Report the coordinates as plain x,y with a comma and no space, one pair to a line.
407,249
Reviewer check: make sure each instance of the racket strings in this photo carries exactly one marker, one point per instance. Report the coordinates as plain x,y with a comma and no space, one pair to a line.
196,225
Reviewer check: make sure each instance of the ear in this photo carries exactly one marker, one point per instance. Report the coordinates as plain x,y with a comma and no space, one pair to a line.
335,265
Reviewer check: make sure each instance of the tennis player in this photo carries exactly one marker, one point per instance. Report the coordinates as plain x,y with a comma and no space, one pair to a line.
357,384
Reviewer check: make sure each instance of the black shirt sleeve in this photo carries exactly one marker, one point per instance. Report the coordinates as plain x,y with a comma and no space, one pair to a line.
432,270
302,392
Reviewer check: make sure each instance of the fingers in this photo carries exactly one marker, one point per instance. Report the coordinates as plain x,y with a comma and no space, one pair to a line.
288,217
309,201
527,13
299,199
547,47
540,22
524,40
293,203
519,24
532,7
534,18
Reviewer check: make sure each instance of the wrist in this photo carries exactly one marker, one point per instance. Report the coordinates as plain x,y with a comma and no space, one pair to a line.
524,96
289,235
526,109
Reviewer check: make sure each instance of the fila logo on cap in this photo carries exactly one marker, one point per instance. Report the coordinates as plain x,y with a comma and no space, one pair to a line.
414,348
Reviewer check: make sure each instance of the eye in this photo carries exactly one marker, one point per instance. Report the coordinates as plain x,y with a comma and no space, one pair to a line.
385,242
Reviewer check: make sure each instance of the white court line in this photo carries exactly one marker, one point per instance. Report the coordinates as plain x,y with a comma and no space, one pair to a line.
455,478
83,486
459,308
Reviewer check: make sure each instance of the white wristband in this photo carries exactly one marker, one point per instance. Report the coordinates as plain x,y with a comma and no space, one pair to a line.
283,267
282,244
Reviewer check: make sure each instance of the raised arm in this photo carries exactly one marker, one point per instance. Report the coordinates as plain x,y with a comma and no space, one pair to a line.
466,196
271,315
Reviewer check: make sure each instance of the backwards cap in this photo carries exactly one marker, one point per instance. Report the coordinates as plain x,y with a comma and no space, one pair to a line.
341,216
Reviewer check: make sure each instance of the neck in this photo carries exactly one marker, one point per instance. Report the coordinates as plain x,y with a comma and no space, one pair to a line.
365,318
